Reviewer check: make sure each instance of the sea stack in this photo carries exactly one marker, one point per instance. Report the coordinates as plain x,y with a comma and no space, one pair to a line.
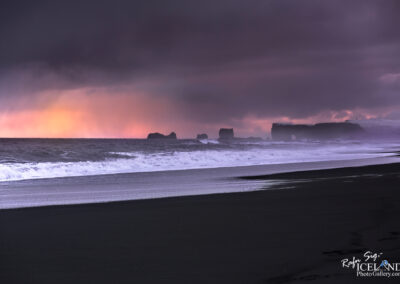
157,135
319,131
202,136
226,133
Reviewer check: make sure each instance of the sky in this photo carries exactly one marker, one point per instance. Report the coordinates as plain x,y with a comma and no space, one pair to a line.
120,68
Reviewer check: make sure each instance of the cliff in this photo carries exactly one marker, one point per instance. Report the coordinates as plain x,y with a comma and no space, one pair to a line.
319,131
157,135
226,133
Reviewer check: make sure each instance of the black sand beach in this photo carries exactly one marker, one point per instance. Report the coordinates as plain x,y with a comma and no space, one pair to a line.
294,234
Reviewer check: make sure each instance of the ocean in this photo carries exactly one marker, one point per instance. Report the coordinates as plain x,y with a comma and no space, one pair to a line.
22,159
38,172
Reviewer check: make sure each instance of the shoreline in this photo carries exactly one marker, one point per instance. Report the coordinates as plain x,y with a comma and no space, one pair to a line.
153,185
299,232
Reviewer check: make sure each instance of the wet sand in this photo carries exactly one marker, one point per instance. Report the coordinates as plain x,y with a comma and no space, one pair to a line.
294,232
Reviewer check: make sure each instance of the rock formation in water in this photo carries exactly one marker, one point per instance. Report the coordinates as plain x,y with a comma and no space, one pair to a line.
319,131
202,136
157,135
226,133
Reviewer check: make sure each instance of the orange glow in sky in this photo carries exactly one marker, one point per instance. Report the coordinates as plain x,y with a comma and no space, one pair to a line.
86,113
78,113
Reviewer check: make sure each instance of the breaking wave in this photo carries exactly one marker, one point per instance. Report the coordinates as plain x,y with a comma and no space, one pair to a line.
166,160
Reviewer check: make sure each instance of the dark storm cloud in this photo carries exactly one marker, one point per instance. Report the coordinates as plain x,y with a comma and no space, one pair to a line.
218,60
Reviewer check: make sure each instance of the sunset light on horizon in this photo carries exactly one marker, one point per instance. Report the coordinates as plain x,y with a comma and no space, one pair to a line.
94,113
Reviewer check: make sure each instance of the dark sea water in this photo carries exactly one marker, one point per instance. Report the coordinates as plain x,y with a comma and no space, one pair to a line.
76,150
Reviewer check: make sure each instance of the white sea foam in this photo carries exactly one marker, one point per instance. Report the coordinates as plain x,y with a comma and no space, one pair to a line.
130,162
209,141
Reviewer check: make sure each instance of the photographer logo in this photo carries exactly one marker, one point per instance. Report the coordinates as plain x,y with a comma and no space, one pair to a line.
372,265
